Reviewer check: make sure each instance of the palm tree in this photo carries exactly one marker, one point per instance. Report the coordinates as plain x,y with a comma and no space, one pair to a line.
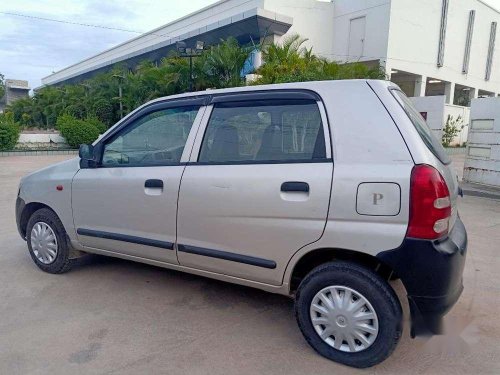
290,51
289,61
221,65
175,70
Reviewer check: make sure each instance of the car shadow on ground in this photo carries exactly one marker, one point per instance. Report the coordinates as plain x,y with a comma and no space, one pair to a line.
219,294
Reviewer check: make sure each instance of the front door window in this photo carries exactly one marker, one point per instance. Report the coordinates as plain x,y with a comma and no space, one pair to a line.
158,138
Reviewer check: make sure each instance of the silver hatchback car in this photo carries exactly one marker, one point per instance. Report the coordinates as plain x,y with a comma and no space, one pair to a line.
323,191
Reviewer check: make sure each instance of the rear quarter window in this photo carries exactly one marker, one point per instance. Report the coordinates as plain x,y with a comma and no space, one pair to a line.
430,140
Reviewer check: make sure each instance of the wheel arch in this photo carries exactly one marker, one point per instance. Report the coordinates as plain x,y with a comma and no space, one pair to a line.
30,209
303,264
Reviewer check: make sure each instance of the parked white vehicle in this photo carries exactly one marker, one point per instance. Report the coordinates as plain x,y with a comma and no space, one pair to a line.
322,190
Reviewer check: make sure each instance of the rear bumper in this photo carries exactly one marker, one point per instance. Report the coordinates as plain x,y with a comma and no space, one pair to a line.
431,272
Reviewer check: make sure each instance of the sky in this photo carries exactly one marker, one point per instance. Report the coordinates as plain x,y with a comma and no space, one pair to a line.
32,48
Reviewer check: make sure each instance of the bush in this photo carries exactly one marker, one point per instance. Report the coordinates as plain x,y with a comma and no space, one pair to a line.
97,123
451,129
9,131
77,132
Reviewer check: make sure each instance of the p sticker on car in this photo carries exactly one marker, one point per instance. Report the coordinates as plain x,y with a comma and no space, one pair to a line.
378,199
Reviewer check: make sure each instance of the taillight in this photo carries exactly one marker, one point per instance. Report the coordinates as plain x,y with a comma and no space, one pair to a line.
430,205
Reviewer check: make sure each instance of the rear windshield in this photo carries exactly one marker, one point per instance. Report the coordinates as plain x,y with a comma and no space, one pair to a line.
433,144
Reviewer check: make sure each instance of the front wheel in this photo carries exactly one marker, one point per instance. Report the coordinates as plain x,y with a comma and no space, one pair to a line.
348,314
47,242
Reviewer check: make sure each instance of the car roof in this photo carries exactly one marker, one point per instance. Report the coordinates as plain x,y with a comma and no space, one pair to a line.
310,85
316,86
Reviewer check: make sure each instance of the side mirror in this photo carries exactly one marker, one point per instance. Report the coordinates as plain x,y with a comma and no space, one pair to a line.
87,154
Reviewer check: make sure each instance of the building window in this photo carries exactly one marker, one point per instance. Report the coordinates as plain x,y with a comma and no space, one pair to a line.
468,42
491,49
442,33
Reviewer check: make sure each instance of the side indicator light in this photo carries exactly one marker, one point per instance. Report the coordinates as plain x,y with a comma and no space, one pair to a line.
59,187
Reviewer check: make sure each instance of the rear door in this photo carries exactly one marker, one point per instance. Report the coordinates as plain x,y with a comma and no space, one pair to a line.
257,186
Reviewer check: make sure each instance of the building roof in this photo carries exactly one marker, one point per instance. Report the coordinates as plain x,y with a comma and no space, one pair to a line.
17,84
19,87
245,21
489,6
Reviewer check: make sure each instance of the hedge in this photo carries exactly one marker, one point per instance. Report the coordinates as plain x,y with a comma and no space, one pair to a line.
77,132
9,132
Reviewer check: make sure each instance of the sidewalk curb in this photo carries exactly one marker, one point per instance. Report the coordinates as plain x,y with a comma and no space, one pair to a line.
478,191
37,152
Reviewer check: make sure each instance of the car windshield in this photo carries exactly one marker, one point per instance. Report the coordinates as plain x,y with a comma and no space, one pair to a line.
432,143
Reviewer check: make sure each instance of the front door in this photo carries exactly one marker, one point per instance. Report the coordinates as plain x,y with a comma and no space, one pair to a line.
257,187
128,204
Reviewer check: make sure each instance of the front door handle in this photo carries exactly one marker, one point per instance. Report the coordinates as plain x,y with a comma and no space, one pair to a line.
295,186
158,184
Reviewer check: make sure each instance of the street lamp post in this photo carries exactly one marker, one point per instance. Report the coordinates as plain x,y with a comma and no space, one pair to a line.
190,53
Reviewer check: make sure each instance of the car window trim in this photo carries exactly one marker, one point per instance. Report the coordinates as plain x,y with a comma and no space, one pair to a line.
286,94
254,162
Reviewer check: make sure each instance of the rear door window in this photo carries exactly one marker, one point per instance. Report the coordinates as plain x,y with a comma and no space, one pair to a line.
432,143
260,132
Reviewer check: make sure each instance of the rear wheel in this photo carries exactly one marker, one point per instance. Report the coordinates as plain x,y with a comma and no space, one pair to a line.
47,242
348,314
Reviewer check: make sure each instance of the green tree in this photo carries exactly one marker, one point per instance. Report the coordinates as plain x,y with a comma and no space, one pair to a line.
218,66
221,65
176,73
103,110
290,61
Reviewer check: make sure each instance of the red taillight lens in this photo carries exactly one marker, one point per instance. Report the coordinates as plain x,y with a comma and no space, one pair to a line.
430,205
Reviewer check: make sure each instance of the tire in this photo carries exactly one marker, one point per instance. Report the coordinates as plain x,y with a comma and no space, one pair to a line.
356,281
61,262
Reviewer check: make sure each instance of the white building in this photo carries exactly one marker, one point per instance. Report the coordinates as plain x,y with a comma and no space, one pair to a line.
14,89
428,47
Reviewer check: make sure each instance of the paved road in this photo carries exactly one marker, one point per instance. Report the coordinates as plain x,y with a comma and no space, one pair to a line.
111,316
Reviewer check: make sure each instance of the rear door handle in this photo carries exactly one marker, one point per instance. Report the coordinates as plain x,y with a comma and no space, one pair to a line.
158,184
295,186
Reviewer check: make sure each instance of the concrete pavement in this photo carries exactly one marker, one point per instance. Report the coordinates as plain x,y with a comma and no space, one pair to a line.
109,316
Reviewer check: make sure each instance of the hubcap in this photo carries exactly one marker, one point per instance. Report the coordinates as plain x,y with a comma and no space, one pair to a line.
44,242
344,319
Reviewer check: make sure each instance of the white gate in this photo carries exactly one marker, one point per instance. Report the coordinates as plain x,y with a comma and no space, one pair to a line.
482,163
